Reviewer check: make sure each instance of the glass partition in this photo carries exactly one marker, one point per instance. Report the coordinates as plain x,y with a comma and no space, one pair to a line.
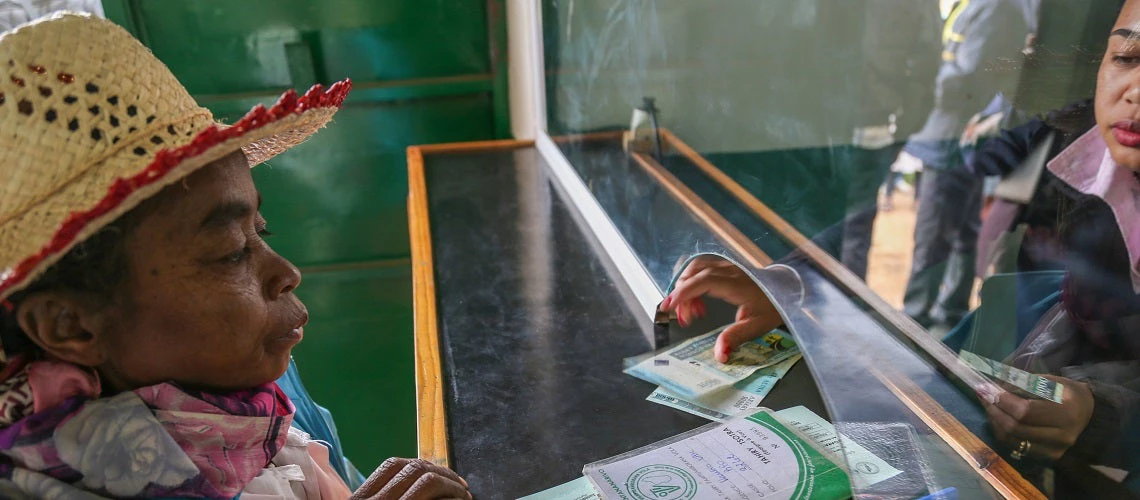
935,171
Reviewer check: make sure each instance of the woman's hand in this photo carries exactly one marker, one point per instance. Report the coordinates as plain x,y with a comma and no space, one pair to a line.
1050,429
717,277
412,479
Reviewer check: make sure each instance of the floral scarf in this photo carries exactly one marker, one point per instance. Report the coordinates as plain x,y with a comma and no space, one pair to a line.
58,439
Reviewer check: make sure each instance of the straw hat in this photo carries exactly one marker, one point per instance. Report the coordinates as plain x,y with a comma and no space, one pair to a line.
92,123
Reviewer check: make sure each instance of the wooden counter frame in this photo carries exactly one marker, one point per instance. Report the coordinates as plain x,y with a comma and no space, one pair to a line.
998,473
432,435
827,264
431,411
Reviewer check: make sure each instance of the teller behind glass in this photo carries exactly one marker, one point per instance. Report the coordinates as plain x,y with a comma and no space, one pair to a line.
1089,339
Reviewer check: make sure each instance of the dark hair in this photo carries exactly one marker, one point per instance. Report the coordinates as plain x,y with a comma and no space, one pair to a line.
96,268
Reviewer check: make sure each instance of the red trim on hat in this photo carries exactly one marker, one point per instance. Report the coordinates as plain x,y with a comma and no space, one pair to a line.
167,159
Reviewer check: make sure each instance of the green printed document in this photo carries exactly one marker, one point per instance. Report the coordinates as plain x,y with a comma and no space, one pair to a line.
746,457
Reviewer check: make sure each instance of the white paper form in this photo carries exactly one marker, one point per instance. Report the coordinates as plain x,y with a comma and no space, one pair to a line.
746,458
866,468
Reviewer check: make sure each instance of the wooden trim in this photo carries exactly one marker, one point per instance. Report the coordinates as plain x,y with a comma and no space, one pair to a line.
832,268
506,144
431,414
589,136
466,147
986,462
735,239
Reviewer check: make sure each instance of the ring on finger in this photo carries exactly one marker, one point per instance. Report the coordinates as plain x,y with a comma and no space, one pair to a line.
1021,450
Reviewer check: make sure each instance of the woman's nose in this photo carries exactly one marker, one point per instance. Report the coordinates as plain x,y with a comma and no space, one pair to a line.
1132,95
284,277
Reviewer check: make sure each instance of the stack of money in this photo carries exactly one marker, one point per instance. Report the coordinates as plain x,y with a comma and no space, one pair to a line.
743,397
691,379
690,369
1020,382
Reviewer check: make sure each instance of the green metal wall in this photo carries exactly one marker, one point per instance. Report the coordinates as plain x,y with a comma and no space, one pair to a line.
423,72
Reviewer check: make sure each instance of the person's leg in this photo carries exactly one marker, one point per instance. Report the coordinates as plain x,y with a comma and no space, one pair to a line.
893,180
954,301
933,228
858,227
870,167
917,184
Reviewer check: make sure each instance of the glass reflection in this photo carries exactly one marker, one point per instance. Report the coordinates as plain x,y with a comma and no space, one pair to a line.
972,161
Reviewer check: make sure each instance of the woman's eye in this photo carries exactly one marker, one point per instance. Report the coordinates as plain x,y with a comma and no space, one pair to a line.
238,256
1126,60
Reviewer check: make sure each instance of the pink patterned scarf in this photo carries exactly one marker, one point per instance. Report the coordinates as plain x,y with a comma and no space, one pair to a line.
59,439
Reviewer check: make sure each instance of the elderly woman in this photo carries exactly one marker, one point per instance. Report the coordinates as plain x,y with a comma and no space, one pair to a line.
146,319
1088,339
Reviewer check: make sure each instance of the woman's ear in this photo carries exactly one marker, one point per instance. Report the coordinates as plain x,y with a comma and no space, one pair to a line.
64,327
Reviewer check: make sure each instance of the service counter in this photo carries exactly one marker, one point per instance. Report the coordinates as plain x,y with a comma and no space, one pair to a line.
537,267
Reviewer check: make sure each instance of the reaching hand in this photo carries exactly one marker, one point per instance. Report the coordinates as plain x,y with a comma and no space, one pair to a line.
412,479
1038,427
719,278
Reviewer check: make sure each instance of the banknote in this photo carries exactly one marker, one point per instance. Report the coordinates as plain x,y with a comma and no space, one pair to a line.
742,397
690,369
1024,382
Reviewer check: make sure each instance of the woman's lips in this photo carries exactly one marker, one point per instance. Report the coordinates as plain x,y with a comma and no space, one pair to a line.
292,337
297,333
1127,133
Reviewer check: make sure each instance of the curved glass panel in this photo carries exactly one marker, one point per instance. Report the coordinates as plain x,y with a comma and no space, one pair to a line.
952,182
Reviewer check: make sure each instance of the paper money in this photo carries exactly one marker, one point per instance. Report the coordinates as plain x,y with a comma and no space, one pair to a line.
1025,383
742,397
690,369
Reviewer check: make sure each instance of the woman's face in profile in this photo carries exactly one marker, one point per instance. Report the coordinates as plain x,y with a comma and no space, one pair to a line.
1118,89
206,303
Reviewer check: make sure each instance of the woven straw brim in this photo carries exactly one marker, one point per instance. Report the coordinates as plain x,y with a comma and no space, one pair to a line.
33,240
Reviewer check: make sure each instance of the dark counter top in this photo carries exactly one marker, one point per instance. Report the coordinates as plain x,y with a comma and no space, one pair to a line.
533,329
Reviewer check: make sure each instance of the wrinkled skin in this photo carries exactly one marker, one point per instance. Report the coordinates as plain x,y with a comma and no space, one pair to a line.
205,303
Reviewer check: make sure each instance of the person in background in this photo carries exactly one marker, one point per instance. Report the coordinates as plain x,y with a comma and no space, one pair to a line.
1037,250
1086,336
982,39
898,69
904,165
146,325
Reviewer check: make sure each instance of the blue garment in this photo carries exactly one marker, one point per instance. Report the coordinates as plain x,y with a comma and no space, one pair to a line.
318,423
1037,293
978,38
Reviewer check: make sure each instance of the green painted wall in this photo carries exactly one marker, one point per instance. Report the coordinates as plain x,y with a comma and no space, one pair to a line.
423,72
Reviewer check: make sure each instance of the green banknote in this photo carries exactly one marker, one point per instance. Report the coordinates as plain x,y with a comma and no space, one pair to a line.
742,397
1024,383
689,369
